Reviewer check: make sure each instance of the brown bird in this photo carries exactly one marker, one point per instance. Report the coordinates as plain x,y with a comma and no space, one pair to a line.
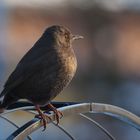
44,71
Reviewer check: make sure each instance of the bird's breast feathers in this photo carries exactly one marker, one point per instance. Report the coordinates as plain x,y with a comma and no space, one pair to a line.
71,65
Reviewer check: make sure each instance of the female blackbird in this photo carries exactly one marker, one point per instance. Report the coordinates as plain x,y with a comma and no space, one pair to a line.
43,72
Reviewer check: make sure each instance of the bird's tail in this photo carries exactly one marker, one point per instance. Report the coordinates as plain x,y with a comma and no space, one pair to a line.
1,108
3,93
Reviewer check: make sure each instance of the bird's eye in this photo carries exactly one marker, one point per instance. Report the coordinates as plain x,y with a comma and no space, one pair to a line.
66,36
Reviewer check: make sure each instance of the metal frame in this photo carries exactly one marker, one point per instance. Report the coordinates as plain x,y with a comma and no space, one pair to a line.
67,109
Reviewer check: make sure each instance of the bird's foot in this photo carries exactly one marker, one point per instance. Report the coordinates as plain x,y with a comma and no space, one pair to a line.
58,114
44,118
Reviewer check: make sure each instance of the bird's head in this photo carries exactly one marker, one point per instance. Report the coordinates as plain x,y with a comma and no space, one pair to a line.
61,35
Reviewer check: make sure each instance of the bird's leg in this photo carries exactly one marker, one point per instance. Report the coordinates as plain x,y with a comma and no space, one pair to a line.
42,116
58,114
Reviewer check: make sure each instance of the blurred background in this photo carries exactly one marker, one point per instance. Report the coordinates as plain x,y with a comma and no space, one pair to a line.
108,56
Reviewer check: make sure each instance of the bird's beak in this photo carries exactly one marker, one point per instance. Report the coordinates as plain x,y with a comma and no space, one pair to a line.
75,37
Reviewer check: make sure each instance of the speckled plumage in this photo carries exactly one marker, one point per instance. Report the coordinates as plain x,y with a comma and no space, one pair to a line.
44,71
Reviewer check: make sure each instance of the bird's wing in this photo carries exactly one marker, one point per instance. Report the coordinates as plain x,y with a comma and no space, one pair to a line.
29,65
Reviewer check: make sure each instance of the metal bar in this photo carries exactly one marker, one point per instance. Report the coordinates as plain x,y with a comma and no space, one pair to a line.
65,131
59,126
114,111
17,135
35,124
9,121
13,125
98,125
16,109
118,113
25,104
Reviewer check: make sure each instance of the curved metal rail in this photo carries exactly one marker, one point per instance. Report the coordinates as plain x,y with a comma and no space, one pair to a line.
107,109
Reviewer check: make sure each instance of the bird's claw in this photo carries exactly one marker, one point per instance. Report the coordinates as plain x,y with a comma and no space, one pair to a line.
57,114
45,119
